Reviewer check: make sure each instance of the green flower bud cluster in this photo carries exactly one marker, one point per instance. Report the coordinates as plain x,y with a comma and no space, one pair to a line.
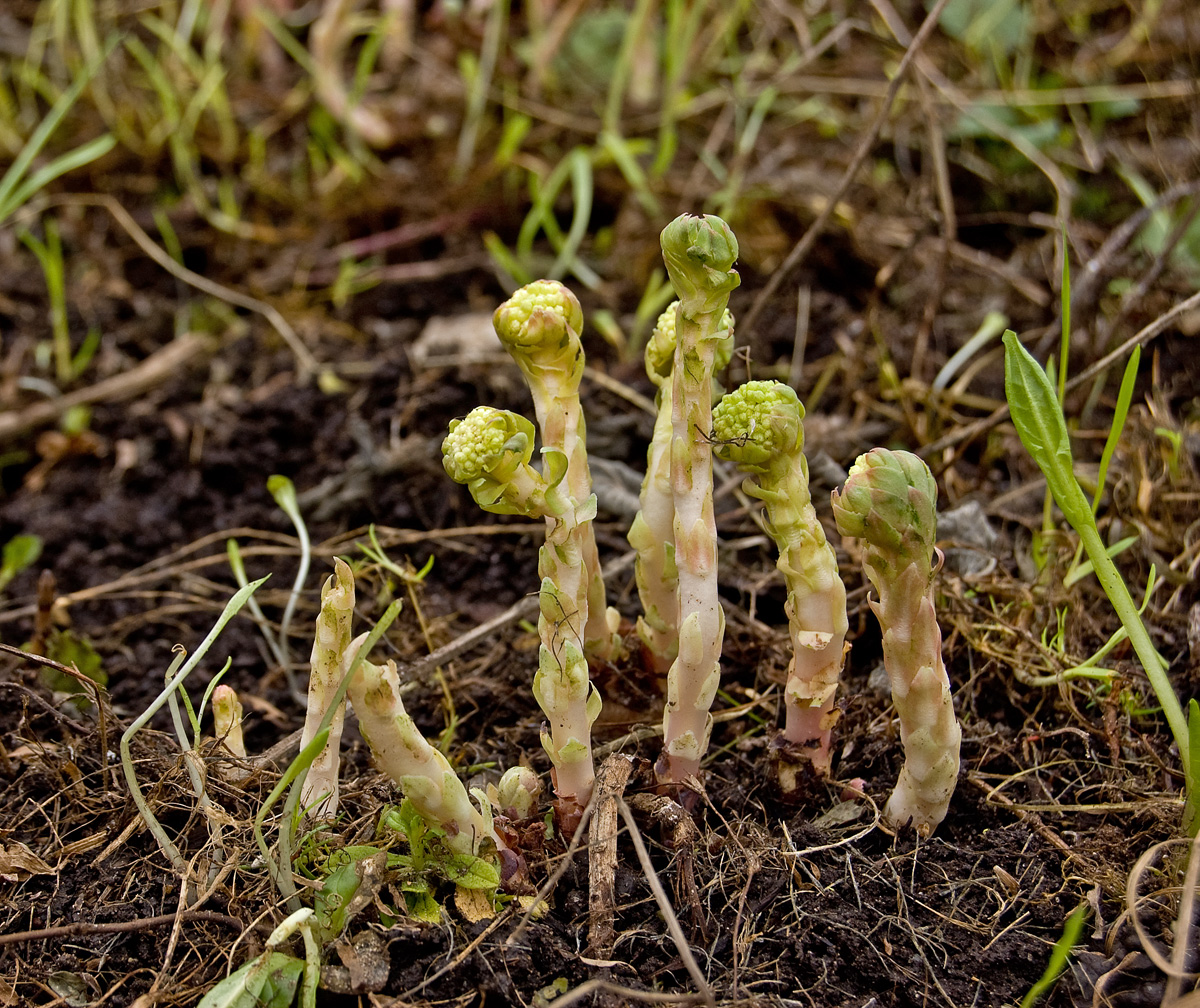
489,451
757,422
512,318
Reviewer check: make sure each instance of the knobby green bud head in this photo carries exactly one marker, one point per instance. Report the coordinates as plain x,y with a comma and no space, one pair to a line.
890,501
699,253
537,316
487,442
758,422
660,350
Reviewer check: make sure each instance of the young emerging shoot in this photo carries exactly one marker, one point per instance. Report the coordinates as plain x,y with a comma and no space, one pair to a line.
759,426
490,452
652,534
539,327
890,503
418,769
320,792
516,795
699,253
227,725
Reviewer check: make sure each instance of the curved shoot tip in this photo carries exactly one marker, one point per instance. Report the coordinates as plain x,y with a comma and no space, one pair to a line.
890,501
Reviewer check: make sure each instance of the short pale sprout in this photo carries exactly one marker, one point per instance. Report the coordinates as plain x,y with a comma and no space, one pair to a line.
517,793
227,726
333,628
759,426
416,767
889,503
699,253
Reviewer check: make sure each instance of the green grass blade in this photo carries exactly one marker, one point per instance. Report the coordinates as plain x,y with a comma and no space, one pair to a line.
37,140
1072,932
581,186
1124,397
61,165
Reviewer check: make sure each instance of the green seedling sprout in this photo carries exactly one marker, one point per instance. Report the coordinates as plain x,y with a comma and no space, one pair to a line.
284,492
193,762
889,502
539,326
331,640
652,533
19,552
759,426
699,253
1038,418
177,673
50,256
489,451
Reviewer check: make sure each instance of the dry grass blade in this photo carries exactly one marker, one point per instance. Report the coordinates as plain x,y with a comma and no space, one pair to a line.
1175,966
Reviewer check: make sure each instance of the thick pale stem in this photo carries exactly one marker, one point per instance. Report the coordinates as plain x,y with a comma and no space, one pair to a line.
696,671
929,731
816,610
698,253
562,686
539,326
890,502
653,536
332,637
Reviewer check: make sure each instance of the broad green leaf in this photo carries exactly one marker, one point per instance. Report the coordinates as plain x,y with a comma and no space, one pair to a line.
1039,421
268,981
19,552
471,872
421,905
344,876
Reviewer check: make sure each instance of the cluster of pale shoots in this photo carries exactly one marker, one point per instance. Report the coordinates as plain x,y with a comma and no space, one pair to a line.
888,503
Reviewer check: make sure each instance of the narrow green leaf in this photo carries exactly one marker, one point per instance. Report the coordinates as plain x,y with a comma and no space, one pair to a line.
1191,771
1072,930
1124,397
